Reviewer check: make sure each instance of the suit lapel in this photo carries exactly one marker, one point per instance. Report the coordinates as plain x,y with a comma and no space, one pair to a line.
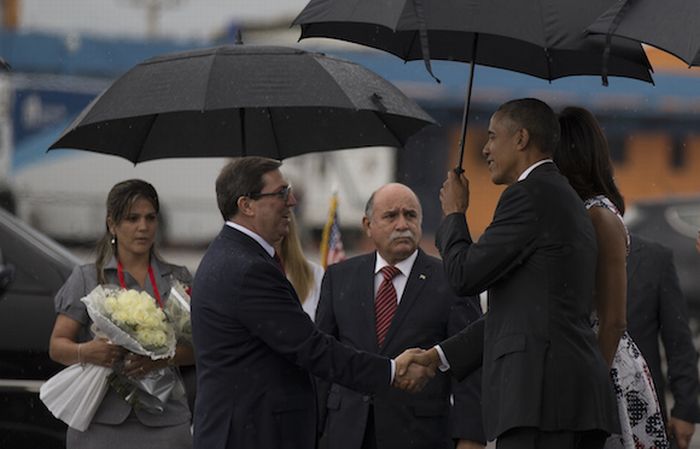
417,279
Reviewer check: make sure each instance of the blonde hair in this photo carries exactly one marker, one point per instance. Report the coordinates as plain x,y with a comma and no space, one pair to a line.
296,266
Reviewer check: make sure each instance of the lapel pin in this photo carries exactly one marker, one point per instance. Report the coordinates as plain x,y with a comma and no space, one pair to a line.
421,277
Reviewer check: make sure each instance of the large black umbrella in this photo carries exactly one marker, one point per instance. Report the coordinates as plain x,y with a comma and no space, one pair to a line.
543,38
243,100
671,25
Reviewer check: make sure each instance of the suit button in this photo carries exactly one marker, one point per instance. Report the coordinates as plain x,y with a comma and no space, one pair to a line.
365,398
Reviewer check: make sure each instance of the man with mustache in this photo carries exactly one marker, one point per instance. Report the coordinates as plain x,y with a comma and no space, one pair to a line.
384,302
255,347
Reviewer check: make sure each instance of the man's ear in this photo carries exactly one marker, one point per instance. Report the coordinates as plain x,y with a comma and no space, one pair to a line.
523,138
365,226
245,206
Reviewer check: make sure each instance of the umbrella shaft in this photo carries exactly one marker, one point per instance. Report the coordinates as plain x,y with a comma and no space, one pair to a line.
467,104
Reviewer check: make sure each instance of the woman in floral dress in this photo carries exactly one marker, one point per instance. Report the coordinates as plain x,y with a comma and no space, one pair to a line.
125,258
583,157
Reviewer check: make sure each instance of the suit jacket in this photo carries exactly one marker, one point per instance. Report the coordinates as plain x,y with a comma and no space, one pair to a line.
655,306
541,364
255,347
427,313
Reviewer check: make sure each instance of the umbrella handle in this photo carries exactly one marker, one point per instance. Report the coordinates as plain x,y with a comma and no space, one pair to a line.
458,170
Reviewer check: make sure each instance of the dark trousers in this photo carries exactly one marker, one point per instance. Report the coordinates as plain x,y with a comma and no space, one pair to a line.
369,441
532,438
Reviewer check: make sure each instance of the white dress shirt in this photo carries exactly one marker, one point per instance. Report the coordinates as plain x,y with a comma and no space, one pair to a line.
400,279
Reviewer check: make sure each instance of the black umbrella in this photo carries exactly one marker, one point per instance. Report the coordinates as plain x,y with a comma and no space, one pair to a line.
543,38
671,25
243,100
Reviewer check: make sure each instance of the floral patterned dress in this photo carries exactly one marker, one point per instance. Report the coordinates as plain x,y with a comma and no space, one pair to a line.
641,421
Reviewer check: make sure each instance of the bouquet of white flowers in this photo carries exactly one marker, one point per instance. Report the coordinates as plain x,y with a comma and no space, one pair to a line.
134,321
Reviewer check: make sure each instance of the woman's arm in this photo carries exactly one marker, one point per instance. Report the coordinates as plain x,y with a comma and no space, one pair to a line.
64,348
611,280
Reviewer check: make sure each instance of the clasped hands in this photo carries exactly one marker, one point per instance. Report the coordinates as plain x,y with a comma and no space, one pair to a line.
414,368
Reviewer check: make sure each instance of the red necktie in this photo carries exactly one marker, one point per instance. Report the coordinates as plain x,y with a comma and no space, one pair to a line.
280,265
386,302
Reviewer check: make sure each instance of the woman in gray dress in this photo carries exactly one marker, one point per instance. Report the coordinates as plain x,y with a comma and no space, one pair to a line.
126,258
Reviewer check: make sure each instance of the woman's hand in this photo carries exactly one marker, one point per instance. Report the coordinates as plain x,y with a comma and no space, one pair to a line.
100,352
64,348
137,366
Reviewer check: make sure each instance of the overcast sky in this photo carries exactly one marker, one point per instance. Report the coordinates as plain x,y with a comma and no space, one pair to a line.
182,18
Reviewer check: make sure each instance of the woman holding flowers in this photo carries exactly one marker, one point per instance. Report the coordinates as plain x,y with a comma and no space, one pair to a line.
126,260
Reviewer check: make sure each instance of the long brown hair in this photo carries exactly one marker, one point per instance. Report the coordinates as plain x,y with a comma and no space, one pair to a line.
119,201
296,266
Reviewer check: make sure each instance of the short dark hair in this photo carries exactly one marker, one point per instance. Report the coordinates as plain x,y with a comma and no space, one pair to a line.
584,158
539,120
240,177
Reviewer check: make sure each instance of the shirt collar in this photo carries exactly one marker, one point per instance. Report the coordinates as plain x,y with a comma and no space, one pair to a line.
404,266
528,170
269,249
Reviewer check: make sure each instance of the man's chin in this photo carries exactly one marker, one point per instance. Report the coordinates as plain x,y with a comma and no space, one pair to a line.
404,249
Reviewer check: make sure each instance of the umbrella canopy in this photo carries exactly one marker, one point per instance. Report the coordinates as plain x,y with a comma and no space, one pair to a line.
542,38
671,25
243,100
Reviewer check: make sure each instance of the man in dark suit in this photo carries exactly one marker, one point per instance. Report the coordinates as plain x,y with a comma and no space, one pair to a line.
423,312
655,306
545,383
255,347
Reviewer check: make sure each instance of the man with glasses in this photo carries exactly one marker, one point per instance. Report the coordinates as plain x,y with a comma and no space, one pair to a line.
256,349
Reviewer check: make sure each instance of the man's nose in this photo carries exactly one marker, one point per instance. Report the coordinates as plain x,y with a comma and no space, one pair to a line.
401,222
291,200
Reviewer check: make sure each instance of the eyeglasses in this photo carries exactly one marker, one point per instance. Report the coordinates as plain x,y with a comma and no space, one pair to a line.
282,194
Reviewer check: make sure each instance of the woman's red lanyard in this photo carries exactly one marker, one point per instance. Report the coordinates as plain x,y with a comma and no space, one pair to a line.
122,284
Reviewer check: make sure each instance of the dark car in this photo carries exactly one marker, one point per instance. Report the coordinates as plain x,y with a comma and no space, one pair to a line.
38,267
673,222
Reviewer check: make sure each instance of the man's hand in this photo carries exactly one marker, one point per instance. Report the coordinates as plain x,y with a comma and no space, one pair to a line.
411,375
681,431
454,194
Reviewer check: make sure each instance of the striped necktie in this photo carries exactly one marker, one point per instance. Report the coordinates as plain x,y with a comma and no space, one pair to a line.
280,265
386,302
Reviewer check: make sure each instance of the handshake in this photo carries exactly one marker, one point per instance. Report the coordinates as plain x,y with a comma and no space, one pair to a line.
414,368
